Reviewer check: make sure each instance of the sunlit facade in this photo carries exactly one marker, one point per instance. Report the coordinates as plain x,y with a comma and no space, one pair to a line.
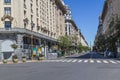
31,24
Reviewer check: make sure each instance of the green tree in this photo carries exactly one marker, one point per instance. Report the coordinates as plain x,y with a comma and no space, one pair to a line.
100,44
82,48
64,42
14,46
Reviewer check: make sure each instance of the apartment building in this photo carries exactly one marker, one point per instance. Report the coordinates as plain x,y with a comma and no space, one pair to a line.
30,24
72,30
109,25
110,16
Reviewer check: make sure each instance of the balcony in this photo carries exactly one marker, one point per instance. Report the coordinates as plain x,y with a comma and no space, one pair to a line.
25,6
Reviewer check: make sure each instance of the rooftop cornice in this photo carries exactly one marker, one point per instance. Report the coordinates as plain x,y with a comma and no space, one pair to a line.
104,12
71,21
61,5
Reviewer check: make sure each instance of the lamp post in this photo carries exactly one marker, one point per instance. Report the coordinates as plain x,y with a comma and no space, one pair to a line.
32,26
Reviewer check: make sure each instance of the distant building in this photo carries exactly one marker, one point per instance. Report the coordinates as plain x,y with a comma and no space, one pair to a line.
72,30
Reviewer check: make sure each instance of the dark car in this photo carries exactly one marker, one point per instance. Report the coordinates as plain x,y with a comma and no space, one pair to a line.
110,54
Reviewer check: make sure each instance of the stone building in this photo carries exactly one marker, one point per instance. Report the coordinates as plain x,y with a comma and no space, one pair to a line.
109,25
31,24
72,30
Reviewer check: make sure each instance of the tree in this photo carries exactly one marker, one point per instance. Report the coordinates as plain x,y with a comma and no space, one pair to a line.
82,48
100,44
86,48
14,46
64,42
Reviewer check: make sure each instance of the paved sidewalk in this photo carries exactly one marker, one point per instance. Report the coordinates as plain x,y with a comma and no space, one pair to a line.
10,62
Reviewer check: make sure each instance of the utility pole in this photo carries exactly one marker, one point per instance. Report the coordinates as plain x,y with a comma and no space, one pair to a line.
90,47
32,26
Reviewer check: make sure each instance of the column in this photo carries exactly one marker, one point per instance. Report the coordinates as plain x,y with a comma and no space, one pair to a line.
19,50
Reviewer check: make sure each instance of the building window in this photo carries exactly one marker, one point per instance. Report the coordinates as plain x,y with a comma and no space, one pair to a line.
7,1
7,24
7,11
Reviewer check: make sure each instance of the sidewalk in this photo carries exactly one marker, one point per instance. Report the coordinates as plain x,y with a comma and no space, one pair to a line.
28,61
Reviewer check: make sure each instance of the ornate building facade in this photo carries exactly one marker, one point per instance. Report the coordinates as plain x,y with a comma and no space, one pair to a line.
72,30
30,24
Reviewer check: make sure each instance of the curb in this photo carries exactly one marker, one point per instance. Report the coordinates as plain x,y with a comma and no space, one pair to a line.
29,61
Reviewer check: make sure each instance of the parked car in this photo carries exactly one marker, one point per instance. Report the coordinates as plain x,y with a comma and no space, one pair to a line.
110,54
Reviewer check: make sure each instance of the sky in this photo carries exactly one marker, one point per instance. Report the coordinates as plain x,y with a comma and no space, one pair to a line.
85,13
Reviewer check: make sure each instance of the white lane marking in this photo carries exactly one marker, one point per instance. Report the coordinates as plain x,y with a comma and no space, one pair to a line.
105,61
69,61
113,62
118,61
64,60
57,61
91,61
85,61
98,61
74,60
80,61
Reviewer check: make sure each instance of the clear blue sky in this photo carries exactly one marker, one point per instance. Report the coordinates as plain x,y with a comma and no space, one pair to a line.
85,13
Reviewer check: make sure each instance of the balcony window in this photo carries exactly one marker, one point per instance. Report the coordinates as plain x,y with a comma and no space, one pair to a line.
7,24
7,11
7,1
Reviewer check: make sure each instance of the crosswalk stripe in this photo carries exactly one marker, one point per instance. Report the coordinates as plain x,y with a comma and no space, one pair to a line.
57,61
74,60
69,61
118,61
98,61
64,60
113,62
91,61
85,61
80,61
105,61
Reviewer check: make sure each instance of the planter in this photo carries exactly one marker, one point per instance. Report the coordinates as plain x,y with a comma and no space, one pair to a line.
4,61
23,59
41,58
15,60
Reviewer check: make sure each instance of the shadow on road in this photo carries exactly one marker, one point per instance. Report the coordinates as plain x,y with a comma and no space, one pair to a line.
91,55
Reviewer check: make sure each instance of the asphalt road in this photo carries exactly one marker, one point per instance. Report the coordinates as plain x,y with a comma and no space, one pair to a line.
90,55
61,70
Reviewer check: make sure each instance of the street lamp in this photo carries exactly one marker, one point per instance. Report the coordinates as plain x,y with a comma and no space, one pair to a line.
32,26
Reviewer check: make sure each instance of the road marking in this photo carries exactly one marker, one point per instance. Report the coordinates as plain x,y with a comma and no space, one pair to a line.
118,61
64,60
91,61
98,61
69,60
80,61
85,61
105,61
57,61
113,62
74,60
